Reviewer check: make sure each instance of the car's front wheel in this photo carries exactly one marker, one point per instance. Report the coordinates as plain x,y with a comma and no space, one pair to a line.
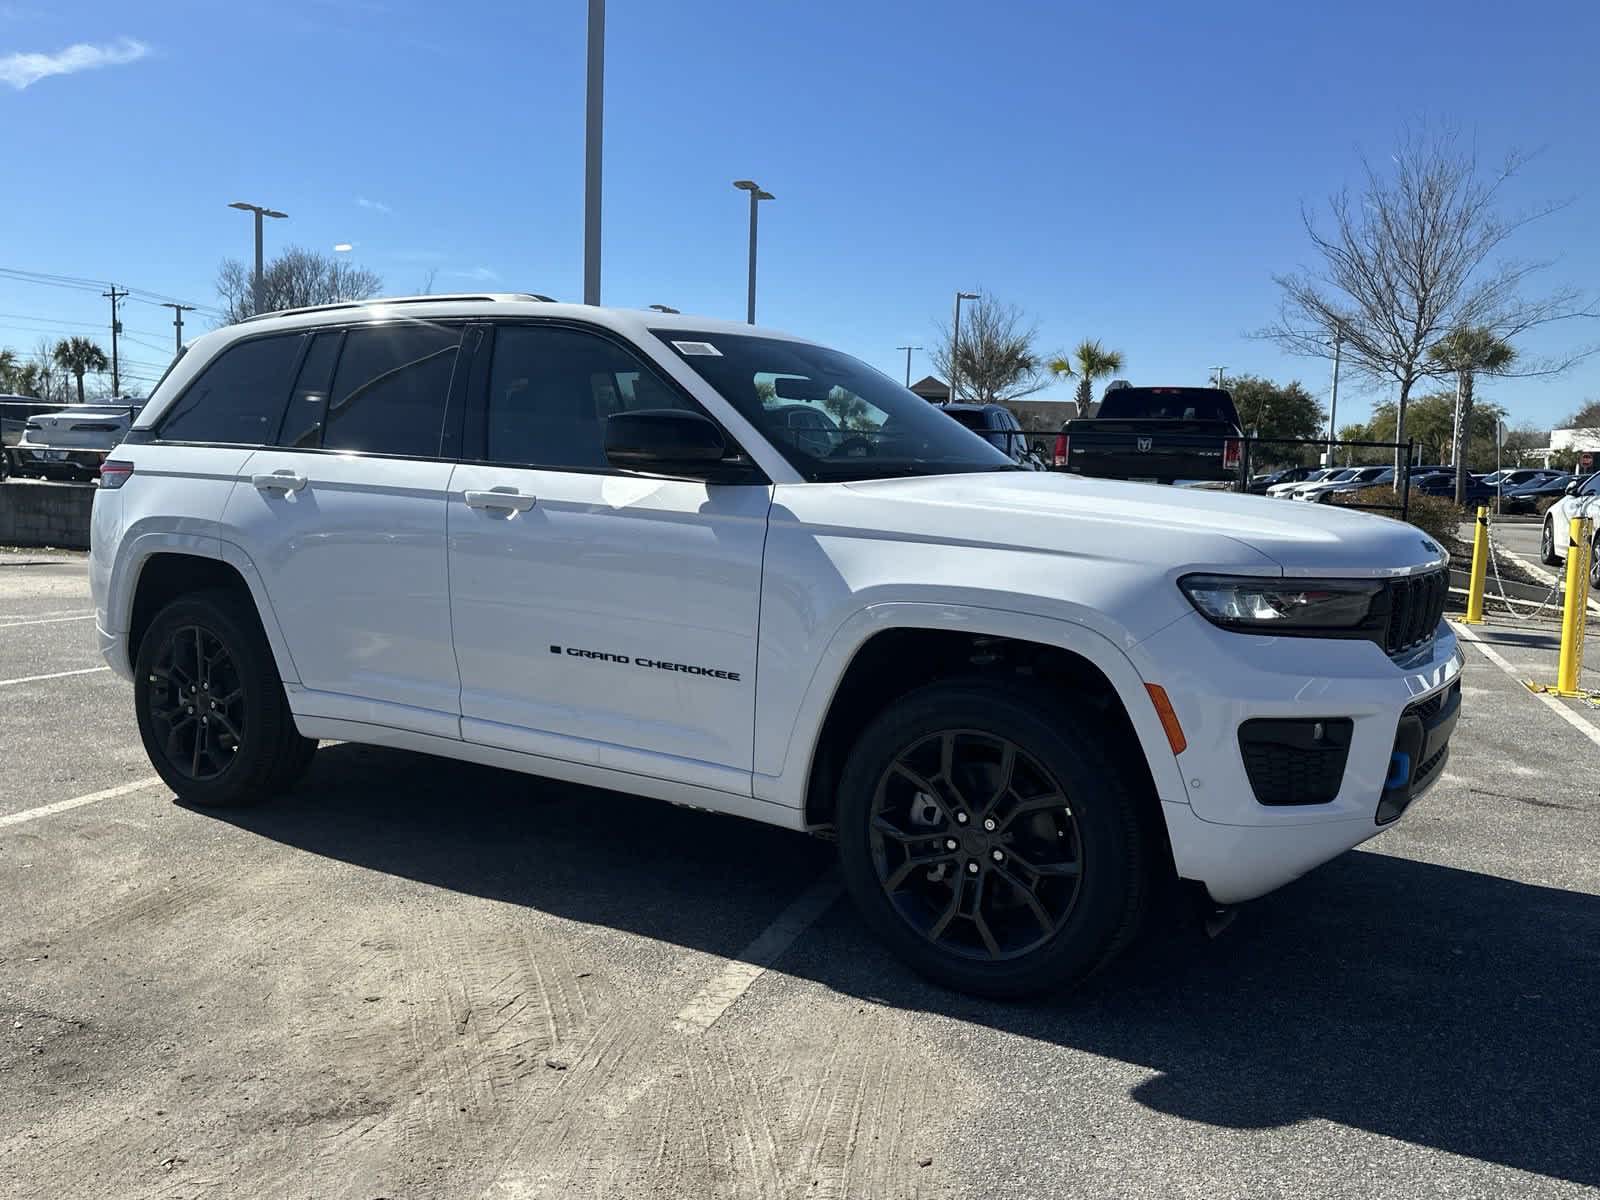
1547,543
210,705
991,841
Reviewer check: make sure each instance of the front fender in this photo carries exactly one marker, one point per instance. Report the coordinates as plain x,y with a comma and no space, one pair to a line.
783,763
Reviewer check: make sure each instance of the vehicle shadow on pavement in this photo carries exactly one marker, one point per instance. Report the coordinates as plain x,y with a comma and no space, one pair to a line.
1438,1006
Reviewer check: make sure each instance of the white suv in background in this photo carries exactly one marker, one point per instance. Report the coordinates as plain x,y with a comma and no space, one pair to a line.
1581,500
596,545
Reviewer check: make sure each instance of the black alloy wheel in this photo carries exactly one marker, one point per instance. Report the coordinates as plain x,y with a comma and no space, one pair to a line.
1547,543
975,845
197,703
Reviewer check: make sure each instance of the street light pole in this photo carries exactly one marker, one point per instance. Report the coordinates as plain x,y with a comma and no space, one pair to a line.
594,119
756,196
908,350
1218,370
177,323
1333,398
259,211
955,343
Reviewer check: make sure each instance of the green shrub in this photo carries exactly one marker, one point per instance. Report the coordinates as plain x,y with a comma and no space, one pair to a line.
1436,516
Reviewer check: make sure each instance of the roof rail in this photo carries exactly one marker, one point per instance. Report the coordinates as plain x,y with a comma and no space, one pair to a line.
502,297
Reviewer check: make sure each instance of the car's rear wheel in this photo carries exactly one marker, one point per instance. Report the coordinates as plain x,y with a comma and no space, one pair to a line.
1547,543
210,705
990,840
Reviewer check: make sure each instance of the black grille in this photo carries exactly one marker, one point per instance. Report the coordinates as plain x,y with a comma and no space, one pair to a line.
1413,608
1427,709
1296,761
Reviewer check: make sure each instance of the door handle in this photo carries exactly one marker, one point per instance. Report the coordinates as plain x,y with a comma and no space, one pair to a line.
279,481
500,499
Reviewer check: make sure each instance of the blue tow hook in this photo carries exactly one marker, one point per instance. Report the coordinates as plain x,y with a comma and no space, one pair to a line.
1399,770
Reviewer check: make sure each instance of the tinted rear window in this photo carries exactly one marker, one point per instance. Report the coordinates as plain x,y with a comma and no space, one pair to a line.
1168,404
390,390
238,400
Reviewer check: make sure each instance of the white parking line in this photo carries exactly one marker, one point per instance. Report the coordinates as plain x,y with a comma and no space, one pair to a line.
734,980
47,620
48,810
1588,729
54,675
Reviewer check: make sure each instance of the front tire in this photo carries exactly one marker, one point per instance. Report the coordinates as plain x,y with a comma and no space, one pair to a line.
211,707
992,841
1547,543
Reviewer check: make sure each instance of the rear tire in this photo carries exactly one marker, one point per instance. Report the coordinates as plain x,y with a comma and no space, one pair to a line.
1547,543
210,705
1048,814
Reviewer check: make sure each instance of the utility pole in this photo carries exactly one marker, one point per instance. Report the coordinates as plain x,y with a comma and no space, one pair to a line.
908,350
593,123
1333,398
955,343
177,323
116,327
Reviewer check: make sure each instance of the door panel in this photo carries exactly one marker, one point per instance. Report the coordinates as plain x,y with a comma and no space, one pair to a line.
351,554
609,618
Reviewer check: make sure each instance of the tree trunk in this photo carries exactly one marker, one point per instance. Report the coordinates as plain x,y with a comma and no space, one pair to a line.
1085,395
1400,463
1463,435
79,374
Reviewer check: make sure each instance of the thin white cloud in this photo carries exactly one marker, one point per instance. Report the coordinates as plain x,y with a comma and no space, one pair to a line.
24,70
481,274
374,205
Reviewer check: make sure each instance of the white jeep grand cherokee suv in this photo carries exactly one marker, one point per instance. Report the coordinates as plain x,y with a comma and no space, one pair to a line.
599,546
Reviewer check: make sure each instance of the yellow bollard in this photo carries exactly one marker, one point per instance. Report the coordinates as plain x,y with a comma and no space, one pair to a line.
1575,609
1480,564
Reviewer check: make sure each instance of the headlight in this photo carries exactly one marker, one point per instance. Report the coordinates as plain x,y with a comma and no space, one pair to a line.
1287,606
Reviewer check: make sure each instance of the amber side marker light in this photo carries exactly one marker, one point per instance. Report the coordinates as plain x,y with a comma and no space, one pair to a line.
1169,719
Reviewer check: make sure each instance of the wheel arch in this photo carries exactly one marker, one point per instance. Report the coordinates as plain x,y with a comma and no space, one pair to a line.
161,571
888,652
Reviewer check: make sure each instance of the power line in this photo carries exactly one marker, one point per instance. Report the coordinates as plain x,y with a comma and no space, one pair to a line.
78,283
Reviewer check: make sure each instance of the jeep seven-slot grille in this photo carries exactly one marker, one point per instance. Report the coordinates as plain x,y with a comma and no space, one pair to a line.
1413,608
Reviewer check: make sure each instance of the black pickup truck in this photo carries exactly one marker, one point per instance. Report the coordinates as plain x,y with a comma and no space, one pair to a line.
1154,435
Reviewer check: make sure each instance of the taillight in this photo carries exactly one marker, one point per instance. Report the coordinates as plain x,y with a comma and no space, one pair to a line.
1062,443
114,472
1230,454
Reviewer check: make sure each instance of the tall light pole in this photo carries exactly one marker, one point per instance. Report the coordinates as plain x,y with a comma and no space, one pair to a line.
908,350
593,122
1333,397
260,212
177,323
756,197
955,343
1219,371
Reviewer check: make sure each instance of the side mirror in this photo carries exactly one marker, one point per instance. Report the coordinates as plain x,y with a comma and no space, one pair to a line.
664,438
1571,488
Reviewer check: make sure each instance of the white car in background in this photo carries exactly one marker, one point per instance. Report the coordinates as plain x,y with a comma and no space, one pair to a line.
1288,489
1351,479
1582,500
71,442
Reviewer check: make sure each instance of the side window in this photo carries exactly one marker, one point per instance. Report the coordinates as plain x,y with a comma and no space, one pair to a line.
1592,487
551,390
391,389
237,400
308,403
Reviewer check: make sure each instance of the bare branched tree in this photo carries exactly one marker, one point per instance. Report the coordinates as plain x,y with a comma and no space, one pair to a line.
1415,255
297,278
996,360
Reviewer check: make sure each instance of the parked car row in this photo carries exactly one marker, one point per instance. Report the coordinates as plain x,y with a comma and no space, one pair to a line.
49,441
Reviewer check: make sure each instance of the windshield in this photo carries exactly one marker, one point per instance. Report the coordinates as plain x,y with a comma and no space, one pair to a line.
830,416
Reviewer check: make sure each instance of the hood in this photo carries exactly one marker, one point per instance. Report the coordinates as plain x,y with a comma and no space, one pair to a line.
1166,526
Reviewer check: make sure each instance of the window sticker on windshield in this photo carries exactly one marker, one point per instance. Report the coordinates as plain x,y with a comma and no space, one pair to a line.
687,348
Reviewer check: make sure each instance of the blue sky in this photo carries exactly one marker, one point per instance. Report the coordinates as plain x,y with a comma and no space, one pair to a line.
1132,172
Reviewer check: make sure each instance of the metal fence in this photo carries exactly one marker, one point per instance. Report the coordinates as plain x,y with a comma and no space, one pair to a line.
1251,454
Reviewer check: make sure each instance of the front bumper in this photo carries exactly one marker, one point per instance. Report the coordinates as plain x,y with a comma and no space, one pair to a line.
1216,680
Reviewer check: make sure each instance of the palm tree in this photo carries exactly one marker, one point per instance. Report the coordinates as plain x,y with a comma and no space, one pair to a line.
79,355
1090,361
1468,352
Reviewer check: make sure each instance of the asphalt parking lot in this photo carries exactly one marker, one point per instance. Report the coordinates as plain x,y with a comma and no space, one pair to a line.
417,979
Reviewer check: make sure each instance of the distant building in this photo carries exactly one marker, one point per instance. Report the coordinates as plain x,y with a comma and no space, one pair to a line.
1567,440
934,391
